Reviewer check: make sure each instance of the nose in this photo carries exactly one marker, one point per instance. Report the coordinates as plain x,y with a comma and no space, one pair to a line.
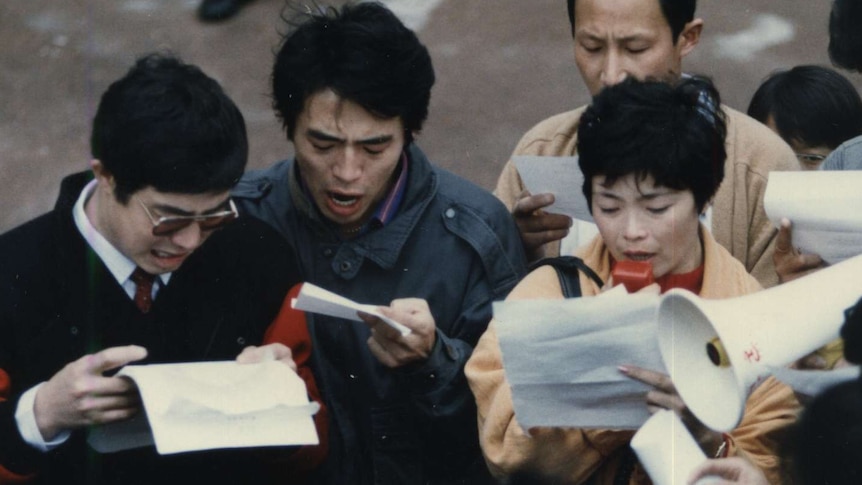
613,71
635,228
348,168
189,237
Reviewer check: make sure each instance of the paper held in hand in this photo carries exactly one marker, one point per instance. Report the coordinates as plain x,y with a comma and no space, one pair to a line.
315,299
208,405
824,209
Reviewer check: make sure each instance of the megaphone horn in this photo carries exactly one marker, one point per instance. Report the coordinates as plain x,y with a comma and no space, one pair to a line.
718,351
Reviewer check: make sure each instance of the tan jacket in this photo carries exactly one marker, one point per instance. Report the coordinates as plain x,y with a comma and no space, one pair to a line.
739,222
573,455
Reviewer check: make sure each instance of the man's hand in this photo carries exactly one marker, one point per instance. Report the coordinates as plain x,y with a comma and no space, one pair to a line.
275,351
80,395
664,396
389,346
536,226
730,471
790,264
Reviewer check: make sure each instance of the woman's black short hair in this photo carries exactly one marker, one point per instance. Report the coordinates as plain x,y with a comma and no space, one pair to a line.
363,53
812,105
674,133
167,125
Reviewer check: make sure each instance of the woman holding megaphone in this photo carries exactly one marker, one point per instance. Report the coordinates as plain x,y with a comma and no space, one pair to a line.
653,156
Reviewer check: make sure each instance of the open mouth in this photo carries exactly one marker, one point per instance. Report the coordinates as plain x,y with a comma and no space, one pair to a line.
342,199
639,256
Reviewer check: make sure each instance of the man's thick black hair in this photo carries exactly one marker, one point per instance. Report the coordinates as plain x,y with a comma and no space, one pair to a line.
676,12
361,52
674,133
812,105
167,125
845,34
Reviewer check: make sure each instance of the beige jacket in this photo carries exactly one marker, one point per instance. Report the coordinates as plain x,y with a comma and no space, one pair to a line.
574,455
739,222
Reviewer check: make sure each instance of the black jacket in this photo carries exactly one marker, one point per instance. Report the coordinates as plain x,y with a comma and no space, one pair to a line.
58,302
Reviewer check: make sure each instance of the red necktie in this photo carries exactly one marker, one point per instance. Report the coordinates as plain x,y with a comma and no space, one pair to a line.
143,289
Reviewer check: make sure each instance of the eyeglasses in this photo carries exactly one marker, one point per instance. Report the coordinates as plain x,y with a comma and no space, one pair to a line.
164,225
810,158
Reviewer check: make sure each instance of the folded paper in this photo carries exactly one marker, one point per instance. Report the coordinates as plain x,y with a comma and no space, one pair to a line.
315,299
208,405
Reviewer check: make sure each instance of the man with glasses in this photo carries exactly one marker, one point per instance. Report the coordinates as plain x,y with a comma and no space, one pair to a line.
118,273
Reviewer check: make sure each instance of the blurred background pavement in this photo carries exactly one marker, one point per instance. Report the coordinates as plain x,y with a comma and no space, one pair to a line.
502,66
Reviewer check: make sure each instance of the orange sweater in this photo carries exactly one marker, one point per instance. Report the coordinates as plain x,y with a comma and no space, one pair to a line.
574,455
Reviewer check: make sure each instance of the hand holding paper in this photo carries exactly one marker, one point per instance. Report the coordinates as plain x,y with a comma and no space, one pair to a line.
562,358
536,226
207,405
823,206
315,299
560,176
663,396
267,353
80,395
790,262
394,349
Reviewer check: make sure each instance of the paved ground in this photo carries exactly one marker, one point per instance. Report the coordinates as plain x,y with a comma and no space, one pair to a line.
502,66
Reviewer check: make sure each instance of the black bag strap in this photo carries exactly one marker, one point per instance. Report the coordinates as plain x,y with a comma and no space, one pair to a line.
567,268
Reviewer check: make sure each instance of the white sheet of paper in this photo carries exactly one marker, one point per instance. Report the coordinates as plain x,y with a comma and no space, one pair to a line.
561,358
315,299
208,405
810,383
824,207
666,449
560,176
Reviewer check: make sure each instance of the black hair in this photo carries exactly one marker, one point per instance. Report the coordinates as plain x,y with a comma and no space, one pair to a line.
364,54
812,105
845,36
167,125
827,446
851,333
676,12
674,133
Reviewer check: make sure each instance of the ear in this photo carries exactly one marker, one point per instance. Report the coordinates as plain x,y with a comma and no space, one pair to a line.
104,178
689,37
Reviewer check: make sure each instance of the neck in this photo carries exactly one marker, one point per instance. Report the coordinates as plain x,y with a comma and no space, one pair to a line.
351,231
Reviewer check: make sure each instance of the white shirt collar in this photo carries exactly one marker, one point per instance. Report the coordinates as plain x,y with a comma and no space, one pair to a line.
117,263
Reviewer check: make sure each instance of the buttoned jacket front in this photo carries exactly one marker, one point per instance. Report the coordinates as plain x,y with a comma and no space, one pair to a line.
450,243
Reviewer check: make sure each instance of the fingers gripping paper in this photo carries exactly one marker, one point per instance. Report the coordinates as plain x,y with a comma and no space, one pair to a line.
207,405
315,299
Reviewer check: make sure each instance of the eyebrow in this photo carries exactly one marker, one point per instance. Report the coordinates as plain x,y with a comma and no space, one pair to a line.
166,209
376,140
628,38
643,196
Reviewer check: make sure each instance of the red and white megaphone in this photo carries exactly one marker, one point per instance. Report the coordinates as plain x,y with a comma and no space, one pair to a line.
718,351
